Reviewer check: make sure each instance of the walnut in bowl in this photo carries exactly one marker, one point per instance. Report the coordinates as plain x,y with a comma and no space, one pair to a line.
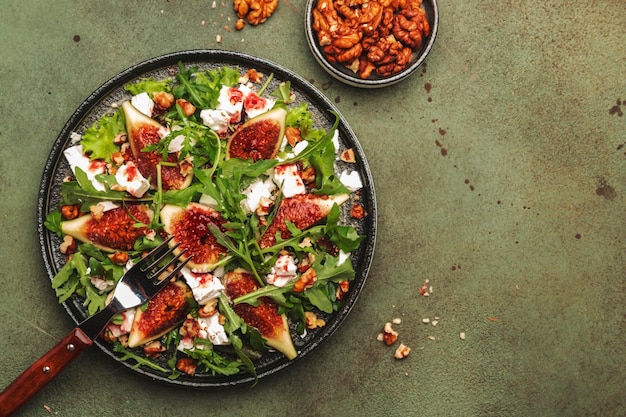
371,43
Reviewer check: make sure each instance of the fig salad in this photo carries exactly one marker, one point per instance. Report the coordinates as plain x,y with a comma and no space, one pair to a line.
246,183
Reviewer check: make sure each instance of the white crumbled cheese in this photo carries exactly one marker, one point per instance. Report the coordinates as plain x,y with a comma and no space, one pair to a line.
283,271
108,205
130,179
77,159
253,104
204,286
343,257
210,329
143,103
351,180
230,101
102,284
300,146
75,138
217,120
258,194
288,178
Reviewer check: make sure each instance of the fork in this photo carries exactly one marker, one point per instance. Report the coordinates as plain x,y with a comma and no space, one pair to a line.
140,283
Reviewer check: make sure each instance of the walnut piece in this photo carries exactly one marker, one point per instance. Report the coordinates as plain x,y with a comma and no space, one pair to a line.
402,351
389,334
255,11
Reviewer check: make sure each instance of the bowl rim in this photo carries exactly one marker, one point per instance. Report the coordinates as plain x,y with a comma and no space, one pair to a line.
355,80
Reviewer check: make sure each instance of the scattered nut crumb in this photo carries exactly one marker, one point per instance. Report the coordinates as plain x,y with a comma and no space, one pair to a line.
389,334
214,5
402,351
348,156
380,337
462,335
434,322
218,38
430,337
397,320
426,320
47,408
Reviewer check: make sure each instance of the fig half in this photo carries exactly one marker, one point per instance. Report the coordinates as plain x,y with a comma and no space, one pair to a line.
161,314
303,210
189,228
112,230
259,137
144,131
264,317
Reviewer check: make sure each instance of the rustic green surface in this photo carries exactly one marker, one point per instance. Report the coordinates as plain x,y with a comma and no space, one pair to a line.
500,172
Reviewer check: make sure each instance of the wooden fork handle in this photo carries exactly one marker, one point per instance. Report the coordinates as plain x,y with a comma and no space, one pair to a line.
43,371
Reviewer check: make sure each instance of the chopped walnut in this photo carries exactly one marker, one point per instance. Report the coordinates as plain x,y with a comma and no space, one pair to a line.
119,258
389,334
293,135
240,24
357,211
163,100
70,212
154,349
312,321
187,365
402,351
255,11
307,279
342,289
186,106
208,309
120,138
348,156
254,76
97,211
68,246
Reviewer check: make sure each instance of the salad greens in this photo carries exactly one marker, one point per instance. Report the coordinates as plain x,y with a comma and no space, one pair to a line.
90,274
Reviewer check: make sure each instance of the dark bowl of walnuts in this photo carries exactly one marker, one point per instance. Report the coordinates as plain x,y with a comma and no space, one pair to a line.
371,43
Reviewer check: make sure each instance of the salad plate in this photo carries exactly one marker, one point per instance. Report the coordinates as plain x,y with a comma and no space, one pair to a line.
109,98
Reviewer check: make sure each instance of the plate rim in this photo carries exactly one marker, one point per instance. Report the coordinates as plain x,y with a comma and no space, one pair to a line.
224,58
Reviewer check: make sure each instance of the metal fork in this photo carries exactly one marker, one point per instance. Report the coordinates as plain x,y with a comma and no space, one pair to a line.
138,285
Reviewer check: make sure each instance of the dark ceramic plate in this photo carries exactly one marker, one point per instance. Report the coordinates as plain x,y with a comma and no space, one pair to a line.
112,92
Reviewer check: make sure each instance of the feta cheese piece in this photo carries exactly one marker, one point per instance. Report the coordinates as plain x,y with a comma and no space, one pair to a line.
343,257
258,194
131,180
288,178
231,101
77,159
217,120
351,180
283,271
300,146
215,331
143,103
209,328
204,286
253,104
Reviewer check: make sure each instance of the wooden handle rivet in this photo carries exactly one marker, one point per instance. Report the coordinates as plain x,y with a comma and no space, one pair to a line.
70,347
46,369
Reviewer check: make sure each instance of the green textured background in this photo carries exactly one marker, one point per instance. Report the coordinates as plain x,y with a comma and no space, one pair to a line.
500,172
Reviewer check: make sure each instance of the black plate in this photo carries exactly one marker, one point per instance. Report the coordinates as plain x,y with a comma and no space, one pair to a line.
112,93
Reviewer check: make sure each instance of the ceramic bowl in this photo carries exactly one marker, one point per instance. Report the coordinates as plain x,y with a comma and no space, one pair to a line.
348,76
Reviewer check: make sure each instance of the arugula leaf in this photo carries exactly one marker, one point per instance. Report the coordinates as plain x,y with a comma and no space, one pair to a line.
127,354
67,281
53,222
98,139
345,237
